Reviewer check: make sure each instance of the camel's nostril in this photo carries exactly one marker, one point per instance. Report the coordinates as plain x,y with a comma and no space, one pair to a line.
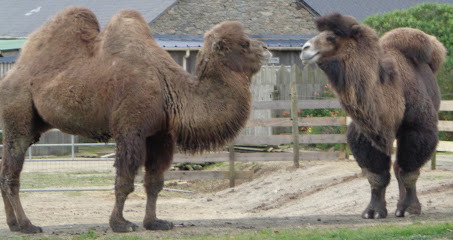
306,47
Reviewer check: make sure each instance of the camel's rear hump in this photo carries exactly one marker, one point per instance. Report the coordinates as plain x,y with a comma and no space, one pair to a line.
416,45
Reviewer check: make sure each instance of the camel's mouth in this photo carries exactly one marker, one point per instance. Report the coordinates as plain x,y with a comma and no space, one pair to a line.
266,56
309,57
309,54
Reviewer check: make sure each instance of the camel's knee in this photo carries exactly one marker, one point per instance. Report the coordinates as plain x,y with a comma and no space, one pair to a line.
9,186
409,179
124,185
377,180
154,183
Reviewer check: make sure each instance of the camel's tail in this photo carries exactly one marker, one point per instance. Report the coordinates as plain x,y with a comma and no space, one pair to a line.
416,45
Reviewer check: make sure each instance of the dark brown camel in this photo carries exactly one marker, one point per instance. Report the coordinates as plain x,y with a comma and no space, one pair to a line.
389,89
120,84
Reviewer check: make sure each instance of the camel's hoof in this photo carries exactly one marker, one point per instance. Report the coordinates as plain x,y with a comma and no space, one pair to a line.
405,209
158,225
125,226
374,214
410,211
31,229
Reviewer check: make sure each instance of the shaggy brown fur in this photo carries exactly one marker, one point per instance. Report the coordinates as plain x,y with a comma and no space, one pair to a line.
119,83
388,88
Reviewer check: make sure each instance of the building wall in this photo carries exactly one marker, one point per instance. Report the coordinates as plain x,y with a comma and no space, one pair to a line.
189,17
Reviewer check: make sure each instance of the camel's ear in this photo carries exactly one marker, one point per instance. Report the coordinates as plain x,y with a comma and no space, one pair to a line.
356,31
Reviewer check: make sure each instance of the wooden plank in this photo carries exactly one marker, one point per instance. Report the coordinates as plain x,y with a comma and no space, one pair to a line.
322,138
302,104
286,139
269,122
264,157
446,105
319,156
445,146
276,104
205,175
446,126
201,158
286,122
263,140
261,157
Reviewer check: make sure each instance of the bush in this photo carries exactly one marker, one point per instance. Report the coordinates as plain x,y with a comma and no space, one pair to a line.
434,19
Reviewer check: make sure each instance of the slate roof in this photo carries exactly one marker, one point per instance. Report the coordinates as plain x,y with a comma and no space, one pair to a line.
11,59
182,41
360,9
20,18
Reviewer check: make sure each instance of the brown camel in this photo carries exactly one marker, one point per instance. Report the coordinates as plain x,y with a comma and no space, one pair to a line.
389,89
120,84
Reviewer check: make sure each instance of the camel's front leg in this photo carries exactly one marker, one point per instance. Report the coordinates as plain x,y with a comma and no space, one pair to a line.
375,166
123,186
159,155
408,201
377,208
130,153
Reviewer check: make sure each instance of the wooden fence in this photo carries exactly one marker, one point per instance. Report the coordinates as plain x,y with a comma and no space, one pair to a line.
296,156
444,126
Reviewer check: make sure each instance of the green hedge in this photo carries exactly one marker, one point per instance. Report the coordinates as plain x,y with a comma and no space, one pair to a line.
434,19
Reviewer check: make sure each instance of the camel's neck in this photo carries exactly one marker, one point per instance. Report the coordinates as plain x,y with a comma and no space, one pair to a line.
357,85
208,112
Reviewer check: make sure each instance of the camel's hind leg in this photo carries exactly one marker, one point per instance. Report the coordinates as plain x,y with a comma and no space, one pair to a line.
375,166
158,158
415,147
15,146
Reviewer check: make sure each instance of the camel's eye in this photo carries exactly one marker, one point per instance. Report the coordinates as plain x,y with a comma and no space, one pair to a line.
331,39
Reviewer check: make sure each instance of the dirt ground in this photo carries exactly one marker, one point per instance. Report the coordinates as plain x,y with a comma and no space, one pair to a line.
317,195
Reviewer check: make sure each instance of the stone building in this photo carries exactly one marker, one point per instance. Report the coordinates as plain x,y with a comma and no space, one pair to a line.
192,17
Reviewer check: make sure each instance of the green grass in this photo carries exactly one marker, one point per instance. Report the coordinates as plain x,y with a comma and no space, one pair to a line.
96,150
416,231
38,180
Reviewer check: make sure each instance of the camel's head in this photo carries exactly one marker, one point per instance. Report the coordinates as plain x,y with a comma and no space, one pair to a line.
337,32
227,44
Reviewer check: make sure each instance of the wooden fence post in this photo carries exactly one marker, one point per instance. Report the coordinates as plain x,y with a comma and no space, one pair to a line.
231,162
433,160
344,146
294,119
